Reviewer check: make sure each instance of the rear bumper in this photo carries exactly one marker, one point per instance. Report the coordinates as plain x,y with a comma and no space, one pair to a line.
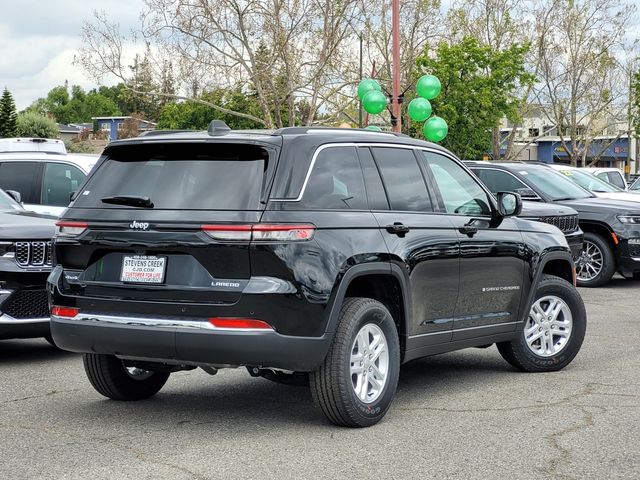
186,342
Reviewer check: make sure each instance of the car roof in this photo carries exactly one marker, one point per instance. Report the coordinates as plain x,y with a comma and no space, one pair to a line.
276,137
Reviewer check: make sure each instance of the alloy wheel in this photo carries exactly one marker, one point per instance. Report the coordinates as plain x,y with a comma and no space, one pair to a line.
590,262
549,326
369,363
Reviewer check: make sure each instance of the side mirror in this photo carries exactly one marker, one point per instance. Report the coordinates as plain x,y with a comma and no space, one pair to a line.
72,195
509,204
15,195
527,193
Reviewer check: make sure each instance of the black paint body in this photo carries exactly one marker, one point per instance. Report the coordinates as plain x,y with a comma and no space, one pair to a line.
445,289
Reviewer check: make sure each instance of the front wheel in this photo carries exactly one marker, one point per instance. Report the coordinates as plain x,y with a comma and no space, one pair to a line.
117,381
553,332
596,263
355,385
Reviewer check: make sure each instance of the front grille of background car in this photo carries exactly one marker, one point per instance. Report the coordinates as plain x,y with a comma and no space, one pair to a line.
566,223
634,251
33,254
27,304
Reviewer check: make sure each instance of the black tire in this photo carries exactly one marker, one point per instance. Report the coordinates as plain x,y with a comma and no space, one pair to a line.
109,377
518,353
608,261
331,385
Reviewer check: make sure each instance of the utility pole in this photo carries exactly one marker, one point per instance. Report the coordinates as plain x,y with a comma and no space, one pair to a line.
396,119
360,76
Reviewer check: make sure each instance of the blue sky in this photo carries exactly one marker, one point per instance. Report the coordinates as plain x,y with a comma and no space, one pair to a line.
39,38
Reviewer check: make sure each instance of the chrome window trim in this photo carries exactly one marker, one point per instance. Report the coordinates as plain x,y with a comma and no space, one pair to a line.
348,144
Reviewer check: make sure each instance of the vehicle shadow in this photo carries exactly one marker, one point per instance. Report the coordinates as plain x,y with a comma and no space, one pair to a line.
234,403
24,351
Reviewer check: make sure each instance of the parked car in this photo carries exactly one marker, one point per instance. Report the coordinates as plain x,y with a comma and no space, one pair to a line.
611,227
613,176
595,185
42,172
25,264
332,254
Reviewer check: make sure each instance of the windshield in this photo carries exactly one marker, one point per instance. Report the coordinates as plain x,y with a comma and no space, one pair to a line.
7,203
178,176
589,181
553,184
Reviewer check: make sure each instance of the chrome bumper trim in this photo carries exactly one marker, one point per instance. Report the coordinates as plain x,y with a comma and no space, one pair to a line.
9,320
147,322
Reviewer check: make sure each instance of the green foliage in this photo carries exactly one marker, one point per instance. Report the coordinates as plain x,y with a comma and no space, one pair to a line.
79,147
30,124
78,107
196,116
478,89
8,115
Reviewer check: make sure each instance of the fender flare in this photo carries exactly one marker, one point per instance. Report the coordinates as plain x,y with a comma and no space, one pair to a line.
544,260
377,268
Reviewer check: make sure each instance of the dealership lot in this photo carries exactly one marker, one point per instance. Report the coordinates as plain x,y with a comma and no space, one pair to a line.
461,415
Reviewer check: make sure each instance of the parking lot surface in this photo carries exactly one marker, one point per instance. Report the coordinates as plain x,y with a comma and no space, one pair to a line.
466,414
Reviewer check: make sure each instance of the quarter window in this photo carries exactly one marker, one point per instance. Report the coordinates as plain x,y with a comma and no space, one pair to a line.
336,181
402,179
460,193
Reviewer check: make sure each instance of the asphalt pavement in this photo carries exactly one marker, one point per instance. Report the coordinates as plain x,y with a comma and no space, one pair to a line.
465,415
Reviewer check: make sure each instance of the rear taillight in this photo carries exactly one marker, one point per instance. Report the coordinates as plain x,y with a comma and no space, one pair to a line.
67,312
240,323
70,229
261,232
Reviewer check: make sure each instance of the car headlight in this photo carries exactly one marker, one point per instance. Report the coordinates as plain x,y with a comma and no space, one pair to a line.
629,219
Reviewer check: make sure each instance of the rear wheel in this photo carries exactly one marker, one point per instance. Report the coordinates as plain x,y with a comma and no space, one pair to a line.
596,263
553,332
112,378
355,385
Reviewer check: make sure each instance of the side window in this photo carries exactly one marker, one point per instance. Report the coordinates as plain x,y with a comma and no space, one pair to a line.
616,179
403,181
58,182
375,190
336,181
460,193
21,177
498,181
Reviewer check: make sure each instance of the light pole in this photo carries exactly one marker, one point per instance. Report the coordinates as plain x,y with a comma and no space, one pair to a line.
396,119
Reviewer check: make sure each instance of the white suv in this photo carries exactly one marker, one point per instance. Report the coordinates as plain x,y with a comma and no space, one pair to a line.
42,172
611,175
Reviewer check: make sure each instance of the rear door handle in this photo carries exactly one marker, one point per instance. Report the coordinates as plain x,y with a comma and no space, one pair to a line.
398,228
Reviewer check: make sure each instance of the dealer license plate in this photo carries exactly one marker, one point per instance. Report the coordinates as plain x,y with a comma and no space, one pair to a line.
143,269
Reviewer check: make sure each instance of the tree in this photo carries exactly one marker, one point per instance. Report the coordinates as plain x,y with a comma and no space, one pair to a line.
8,115
580,76
30,124
478,84
219,44
79,107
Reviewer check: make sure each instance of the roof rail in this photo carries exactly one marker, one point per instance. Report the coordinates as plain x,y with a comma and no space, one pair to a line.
153,133
303,130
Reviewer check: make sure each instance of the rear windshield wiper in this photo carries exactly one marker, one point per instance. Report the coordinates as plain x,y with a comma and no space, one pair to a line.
129,200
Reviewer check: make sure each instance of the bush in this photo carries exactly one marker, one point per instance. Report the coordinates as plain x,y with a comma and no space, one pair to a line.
34,125
79,147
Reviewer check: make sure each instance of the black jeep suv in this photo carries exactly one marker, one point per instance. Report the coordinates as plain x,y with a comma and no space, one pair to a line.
611,227
25,263
331,254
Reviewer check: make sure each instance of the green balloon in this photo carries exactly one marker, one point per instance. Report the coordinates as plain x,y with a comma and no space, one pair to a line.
375,128
367,85
428,87
374,102
435,129
419,109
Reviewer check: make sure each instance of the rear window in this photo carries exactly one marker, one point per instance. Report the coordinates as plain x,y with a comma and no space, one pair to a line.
181,176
